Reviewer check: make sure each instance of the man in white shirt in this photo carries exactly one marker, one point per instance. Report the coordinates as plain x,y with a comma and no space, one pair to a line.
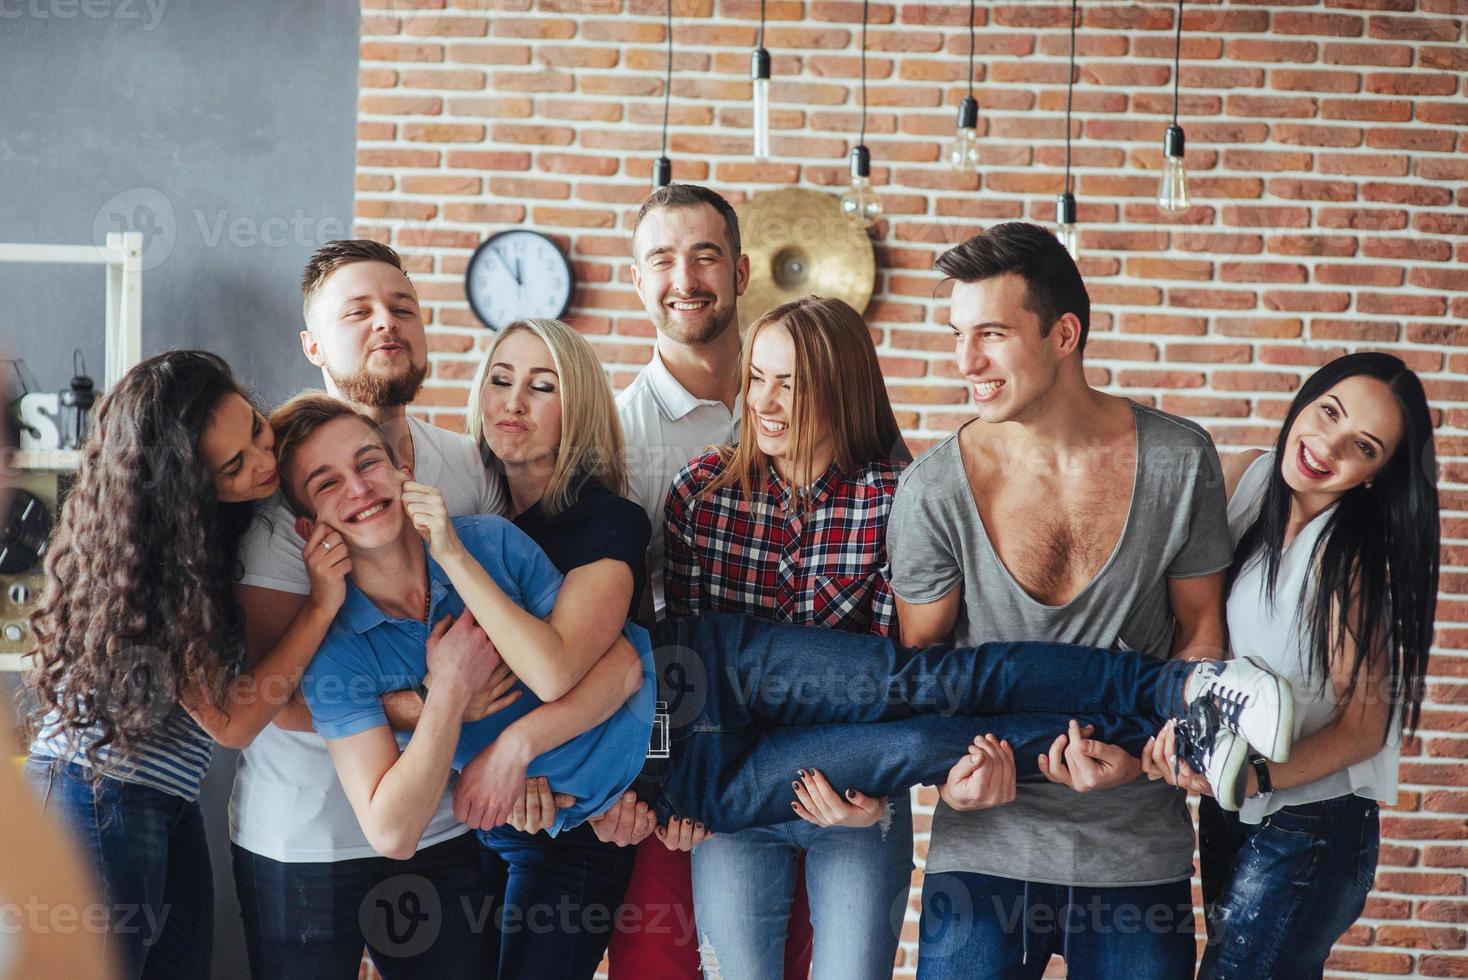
312,889
689,270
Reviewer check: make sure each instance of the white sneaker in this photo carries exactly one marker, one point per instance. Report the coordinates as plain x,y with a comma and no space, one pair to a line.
1215,752
1251,700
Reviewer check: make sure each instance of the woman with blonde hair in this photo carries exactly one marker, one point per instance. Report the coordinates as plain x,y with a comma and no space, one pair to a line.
542,407
789,525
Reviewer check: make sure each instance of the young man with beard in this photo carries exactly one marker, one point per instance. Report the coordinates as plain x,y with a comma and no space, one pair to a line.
303,868
689,270
1061,513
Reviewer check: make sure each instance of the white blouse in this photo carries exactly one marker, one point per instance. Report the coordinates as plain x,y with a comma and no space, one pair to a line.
1276,635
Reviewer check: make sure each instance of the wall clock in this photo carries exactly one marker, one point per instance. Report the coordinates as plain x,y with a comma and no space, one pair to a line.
517,274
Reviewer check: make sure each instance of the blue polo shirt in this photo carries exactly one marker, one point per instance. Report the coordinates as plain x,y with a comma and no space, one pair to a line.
368,653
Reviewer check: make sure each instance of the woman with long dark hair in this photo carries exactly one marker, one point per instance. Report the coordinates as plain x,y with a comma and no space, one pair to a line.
140,644
1334,586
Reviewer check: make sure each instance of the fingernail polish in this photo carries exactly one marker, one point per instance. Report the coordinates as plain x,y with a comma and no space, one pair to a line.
795,786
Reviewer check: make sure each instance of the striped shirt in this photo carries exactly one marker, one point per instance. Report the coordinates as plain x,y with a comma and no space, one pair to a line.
171,761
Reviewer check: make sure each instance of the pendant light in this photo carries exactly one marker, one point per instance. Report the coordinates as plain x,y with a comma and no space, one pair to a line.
1065,204
861,202
662,168
963,153
1172,192
759,74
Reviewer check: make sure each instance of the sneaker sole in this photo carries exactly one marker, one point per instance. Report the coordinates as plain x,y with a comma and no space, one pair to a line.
1231,791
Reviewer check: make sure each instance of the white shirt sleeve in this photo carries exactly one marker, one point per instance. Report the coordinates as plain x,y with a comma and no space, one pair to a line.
271,551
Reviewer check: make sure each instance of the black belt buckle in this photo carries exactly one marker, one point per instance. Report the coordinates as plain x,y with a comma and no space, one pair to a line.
658,746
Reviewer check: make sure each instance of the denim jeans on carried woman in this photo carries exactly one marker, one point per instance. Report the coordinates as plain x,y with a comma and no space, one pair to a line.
148,851
751,702
1278,894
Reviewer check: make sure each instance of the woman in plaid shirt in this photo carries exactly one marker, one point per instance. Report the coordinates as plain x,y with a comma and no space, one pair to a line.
789,525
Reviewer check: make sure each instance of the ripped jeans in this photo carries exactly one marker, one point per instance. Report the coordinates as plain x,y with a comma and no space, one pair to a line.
1278,894
752,701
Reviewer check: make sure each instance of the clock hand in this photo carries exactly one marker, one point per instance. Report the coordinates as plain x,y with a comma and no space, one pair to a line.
517,271
513,270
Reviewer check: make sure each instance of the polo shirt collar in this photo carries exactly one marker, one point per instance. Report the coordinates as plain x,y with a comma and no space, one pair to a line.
362,614
674,400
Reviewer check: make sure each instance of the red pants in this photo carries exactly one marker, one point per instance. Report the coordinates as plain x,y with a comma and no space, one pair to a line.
656,937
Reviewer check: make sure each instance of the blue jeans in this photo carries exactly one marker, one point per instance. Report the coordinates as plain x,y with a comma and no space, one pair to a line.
424,917
977,925
1280,893
148,850
753,701
856,879
560,899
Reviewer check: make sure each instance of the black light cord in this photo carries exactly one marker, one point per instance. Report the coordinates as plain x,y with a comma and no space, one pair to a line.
863,139
1070,87
971,48
668,85
1177,53
761,42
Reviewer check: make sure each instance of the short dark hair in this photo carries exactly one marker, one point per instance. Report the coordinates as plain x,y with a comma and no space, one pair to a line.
1053,284
690,196
333,255
296,421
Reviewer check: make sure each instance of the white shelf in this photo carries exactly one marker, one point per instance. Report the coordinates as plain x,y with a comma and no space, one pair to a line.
14,662
47,460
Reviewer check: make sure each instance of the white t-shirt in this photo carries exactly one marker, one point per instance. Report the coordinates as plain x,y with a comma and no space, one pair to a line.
665,427
1272,632
288,804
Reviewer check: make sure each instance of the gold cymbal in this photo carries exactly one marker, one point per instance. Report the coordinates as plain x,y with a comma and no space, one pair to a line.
800,243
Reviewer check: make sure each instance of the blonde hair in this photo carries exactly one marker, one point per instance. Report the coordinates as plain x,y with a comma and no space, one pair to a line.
591,436
836,378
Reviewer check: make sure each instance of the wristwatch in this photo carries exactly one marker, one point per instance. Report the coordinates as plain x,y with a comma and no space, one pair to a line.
1261,773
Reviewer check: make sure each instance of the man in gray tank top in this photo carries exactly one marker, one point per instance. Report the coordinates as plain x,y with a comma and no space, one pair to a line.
1060,513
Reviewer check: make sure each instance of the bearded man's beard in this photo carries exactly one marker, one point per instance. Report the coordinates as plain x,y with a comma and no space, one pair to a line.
366,387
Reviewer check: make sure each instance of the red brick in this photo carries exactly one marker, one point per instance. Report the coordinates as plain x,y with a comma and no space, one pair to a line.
1263,272
1367,110
1299,356
532,134
1305,80
1163,323
394,51
1270,327
1376,964
1260,161
1211,299
489,159
1449,278
1363,164
1160,379
1259,49
405,105
1409,249
1451,334
1254,381
1403,83
490,54
1359,275
1375,55
1302,189
375,157
1214,21
463,80
542,28
1333,25
1398,304
441,184
1414,29
1305,135
1439,168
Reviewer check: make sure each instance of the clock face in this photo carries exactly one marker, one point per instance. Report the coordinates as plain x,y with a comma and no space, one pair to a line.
518,274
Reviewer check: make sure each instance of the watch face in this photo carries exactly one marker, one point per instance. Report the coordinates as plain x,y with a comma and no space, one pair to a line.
515,275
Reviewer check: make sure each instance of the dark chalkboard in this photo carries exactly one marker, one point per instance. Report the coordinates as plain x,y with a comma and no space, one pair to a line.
224,130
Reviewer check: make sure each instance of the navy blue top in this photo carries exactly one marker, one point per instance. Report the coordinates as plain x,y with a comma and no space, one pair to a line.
598,524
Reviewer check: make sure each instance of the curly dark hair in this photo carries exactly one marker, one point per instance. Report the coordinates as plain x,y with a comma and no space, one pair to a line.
139,604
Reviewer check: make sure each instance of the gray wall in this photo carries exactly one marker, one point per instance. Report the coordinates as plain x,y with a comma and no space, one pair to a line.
224,130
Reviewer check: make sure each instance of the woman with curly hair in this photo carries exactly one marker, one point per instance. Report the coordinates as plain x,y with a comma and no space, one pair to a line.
140,644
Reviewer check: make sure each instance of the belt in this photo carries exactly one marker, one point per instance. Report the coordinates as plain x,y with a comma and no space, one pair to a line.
649,783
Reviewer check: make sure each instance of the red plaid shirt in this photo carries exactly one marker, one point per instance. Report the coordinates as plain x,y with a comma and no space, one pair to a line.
823,567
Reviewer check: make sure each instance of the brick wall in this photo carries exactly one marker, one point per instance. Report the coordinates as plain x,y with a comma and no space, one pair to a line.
1328,146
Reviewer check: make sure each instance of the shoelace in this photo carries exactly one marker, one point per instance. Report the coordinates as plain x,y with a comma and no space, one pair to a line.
1229,704
1195,735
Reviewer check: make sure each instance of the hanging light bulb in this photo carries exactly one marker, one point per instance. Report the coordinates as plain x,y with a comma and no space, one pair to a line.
963,153
759,73
861,201
1172,192
1065,221
662,172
